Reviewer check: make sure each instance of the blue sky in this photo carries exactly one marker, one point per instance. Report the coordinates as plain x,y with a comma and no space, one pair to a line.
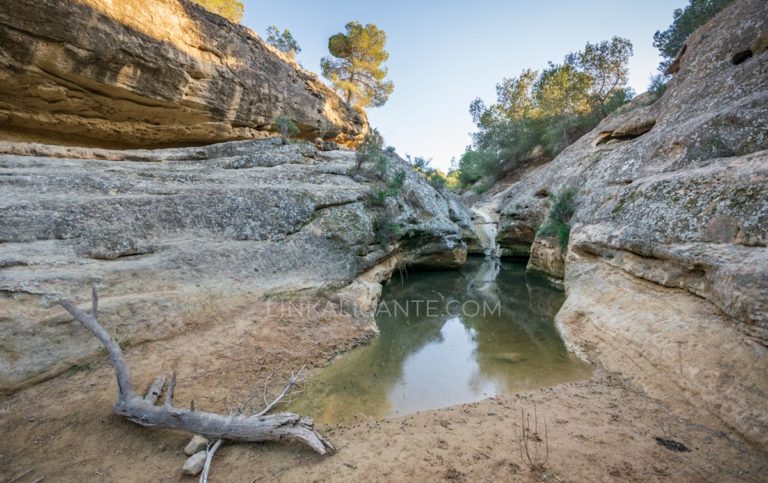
445,53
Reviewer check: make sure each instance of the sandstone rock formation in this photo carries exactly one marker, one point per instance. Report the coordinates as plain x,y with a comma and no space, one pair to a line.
180,238
150,73
674,192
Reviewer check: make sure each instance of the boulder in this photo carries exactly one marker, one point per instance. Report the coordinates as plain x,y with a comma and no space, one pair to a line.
196,444
194,464
547,258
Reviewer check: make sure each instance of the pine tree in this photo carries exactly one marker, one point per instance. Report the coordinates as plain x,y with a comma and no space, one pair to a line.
282,41
354,67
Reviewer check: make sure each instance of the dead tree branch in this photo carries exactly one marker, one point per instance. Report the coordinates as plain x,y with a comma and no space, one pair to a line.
143,411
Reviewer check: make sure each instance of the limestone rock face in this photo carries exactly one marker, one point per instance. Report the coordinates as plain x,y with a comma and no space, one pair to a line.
690,190
673,192
150,73
180,238
546,257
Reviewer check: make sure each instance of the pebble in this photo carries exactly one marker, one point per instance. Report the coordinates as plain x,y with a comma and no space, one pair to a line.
194,464
197,443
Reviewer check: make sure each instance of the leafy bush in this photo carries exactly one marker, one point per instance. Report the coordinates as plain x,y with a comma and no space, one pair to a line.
286,127
369,151
378,196
394,187
437,181
558,221
483,186
381,166
385,230
398,181
658,85
475,165
436,178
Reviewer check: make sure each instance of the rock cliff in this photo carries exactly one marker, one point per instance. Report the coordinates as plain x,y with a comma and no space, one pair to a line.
667,265
179,238
150,73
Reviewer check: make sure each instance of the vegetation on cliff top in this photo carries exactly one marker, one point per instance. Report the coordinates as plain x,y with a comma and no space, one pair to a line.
685,21
355,65
437,178
539,113
282,41
230,9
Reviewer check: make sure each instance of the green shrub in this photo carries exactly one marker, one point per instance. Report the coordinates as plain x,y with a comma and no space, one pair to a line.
381,166
378,197
558,221
482,186
393,188
385,230
370,150
658,86
398,181
438,182
286,127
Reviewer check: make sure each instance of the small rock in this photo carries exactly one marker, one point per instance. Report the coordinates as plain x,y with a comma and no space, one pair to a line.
671,444
194,464
197,443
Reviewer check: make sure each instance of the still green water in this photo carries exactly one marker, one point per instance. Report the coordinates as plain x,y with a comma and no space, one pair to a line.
448,337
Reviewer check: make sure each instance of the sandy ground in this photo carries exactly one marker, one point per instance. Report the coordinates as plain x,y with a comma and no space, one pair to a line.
602,429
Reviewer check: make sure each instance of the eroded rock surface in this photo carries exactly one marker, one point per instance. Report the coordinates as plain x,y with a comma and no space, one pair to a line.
150,73
673,192
184,237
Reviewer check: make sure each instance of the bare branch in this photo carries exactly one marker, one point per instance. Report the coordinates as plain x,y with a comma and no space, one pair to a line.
155,389
169,392
208,459
291,383
94,302
113,348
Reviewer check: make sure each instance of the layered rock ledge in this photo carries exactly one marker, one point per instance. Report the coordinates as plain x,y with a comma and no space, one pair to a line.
182,238
157,73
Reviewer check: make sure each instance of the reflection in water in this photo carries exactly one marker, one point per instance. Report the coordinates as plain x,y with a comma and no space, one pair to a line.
457,336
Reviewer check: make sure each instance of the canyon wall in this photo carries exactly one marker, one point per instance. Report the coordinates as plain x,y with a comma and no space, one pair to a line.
667,266
150,73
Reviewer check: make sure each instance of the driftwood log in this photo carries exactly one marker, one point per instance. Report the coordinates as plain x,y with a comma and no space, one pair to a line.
144,411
